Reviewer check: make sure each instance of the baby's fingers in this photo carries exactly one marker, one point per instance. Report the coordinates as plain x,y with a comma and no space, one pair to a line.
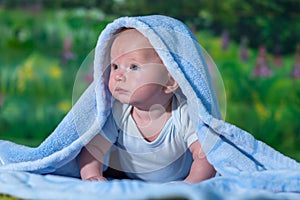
97,178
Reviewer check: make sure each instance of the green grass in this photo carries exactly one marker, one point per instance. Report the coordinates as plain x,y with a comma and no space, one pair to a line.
7,197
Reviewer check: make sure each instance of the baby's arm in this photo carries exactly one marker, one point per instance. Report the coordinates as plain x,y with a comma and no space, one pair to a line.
201,169
91,158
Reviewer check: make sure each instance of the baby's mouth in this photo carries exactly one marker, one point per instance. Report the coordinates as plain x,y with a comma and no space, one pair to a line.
120,90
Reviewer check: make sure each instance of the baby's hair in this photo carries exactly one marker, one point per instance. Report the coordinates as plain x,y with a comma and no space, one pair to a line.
122,29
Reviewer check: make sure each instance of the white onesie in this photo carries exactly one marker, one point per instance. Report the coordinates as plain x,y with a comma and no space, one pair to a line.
165,159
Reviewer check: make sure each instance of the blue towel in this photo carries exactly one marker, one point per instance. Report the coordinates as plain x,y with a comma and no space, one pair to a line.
243,163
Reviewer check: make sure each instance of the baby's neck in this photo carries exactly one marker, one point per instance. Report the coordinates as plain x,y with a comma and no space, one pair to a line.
150,122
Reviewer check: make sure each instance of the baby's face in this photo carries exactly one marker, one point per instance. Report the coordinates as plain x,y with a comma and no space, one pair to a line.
138,76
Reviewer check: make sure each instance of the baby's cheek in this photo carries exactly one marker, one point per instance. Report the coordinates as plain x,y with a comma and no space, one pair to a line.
111,86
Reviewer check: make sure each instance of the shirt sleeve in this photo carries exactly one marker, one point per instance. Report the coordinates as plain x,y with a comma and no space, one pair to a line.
191,135
188,129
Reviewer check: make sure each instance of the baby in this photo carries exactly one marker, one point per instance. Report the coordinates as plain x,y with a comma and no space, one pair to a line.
149,124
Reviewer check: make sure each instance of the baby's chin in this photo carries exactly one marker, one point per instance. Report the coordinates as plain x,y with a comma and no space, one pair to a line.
121,100
130,100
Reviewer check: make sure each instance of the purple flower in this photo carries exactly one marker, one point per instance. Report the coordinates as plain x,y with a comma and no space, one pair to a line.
262,69
296,71
225,40
243,49
67,53
296,68
88,78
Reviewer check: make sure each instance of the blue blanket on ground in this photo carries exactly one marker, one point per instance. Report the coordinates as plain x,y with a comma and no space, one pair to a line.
246,167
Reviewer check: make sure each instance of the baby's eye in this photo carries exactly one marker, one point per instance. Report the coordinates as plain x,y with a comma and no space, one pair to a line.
134,67
114,66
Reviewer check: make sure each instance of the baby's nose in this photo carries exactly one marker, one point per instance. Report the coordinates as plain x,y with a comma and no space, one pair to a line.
119,76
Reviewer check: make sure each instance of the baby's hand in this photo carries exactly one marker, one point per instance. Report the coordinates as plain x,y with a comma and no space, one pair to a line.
96,178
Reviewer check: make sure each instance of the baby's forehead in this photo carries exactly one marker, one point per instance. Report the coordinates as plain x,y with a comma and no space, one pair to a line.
131,38
132,42
144,55
143,52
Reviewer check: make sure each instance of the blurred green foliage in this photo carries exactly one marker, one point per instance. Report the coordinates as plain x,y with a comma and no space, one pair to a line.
41,52
267,107
274,23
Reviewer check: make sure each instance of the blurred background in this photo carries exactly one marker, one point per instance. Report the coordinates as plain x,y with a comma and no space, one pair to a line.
255,45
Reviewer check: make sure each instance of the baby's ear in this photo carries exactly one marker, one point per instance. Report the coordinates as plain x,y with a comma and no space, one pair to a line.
171,85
